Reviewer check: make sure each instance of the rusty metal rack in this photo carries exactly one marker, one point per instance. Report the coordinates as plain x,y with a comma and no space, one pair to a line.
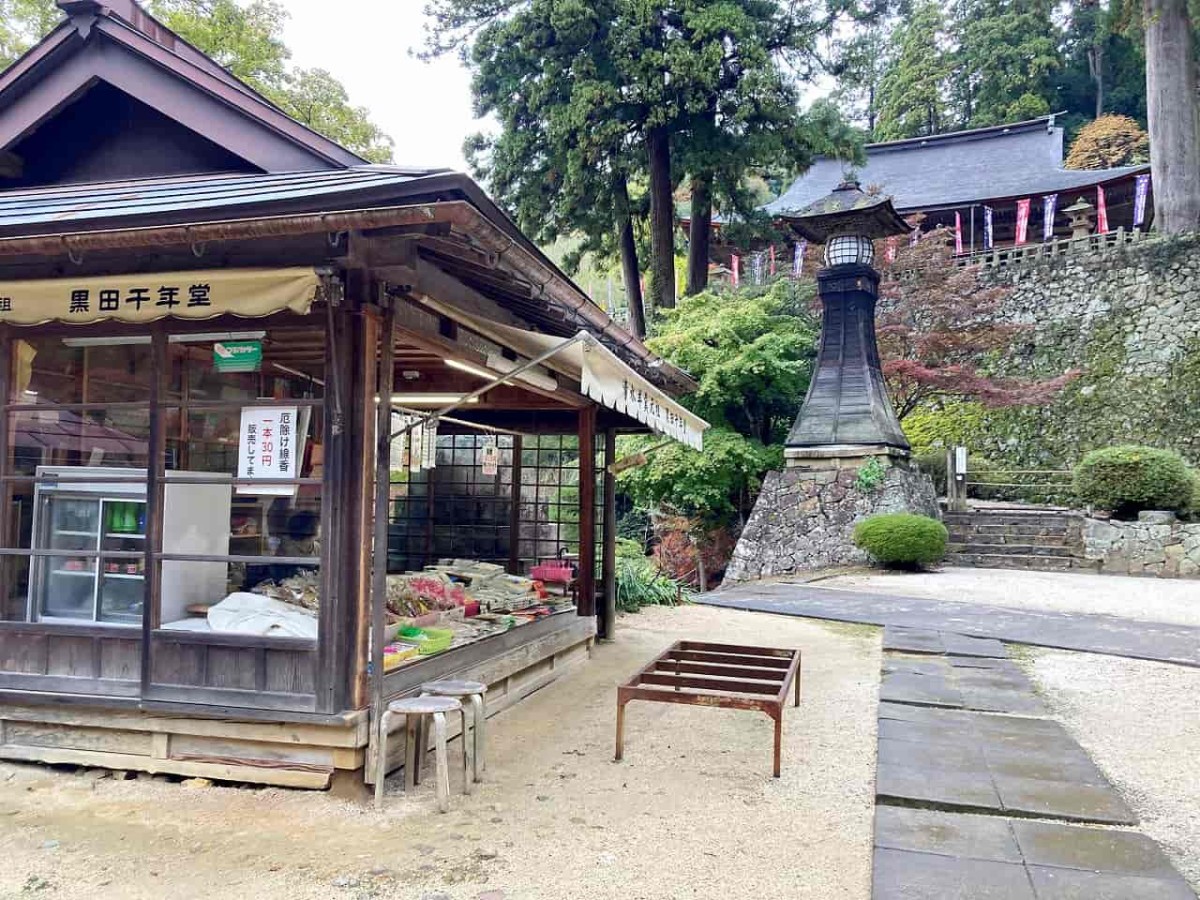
726,676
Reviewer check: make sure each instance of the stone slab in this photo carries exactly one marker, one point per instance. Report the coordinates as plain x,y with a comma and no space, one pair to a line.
1072,884
938,786
934,681
904,875
1070,800
1090,849
1067,631
938,641
946,834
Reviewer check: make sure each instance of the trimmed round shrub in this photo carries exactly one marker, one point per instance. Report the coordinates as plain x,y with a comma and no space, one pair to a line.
1130,479
902,540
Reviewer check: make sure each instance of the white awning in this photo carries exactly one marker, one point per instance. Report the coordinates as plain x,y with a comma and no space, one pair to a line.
602,375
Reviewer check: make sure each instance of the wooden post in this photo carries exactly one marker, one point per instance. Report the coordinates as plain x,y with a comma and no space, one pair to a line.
608,569
379,557
514,509
587,511
7,365
155,475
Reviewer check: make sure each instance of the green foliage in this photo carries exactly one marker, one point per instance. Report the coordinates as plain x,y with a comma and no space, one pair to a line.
1108,142
944,424
752,352
902,540
912,90
870,476
22,24
640,583
712,484
1131,478
933,464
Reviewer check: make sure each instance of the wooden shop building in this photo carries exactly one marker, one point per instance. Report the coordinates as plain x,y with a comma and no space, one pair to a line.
217,331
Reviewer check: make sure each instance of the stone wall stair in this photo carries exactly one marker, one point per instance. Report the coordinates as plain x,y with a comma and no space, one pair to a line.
1040,539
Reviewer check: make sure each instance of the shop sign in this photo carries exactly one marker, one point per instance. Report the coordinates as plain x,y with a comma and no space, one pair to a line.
491,460
146,297
237,356
268,448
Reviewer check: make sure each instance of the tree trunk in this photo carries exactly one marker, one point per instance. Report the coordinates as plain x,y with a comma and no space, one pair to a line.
662,219
699,233
1174,118
1095,58
629,258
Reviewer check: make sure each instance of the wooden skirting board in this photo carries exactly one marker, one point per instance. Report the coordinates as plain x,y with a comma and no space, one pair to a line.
298,755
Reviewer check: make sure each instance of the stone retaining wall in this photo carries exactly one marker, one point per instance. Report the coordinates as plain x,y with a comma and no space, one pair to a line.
1156,544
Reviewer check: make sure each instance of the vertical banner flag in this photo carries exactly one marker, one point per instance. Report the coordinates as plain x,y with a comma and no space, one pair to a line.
1101,211
734,265
772,252
890,253
798,258
1141,192
758,268
987,228
958,247
1022,220
1049,206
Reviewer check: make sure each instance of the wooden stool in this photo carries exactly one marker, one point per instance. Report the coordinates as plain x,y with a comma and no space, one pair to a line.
474,690
414,710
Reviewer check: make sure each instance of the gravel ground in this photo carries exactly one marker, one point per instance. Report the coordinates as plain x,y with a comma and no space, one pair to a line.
691,812
1140,721
1174,602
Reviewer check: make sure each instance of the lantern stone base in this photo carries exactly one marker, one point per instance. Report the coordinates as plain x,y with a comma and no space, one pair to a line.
804,518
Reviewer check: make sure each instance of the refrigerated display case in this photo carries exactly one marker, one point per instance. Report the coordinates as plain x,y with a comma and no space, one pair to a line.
101,517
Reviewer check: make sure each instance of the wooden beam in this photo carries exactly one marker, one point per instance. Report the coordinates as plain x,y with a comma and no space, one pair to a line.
608,569
587,511
514,508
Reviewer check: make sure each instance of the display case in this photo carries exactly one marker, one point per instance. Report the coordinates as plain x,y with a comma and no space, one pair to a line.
102,517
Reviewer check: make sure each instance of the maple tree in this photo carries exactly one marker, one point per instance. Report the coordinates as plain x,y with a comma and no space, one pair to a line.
939,326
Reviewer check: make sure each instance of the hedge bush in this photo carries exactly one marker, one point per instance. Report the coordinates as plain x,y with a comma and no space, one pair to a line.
1130,479
902,540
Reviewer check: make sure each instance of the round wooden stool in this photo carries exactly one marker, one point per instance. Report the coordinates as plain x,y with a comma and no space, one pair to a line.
414,710
464,690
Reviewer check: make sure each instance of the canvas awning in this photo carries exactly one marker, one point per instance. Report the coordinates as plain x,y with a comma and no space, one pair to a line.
200,294
602,375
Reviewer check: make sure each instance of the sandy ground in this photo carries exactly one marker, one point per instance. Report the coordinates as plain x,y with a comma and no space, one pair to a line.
692,812
1174,602
1140,721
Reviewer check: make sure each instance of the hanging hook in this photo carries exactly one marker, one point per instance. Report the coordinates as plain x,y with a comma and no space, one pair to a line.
198,249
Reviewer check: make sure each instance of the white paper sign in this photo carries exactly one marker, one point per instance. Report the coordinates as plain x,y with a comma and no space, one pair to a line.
491,459
269,447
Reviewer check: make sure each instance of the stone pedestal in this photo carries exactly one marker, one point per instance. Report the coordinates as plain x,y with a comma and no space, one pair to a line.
805,515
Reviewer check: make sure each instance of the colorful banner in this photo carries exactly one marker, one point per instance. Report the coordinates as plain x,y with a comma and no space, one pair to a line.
1022,221
758,268
1101,212
771,251
958,243
1049,207
1141,192
987,228
735,264
798,258
202,294
890,252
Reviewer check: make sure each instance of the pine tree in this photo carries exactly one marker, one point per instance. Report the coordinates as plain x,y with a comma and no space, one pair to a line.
913,89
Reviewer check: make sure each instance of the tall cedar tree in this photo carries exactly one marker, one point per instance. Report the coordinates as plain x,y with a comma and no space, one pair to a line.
913,89
938,326
594,98
247,39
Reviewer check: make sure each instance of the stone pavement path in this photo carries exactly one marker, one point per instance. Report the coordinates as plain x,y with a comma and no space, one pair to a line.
976,787
1066,631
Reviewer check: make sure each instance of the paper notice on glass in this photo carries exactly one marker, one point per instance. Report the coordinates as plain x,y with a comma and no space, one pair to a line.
491,460
429,449
270,445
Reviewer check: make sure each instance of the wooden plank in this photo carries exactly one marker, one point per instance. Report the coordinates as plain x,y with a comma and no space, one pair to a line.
93,687
230,668
346,735
775,676
23,653
188,768
709,684
233,697
290,673
120,660
196,747
766,662
70,656
737,648
181,664
36,734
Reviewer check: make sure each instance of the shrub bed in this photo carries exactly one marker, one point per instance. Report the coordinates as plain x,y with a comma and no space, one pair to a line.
902,540
1130,479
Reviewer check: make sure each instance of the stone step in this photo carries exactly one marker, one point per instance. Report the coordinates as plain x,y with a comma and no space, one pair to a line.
1008,550
1047,529
1002,561
1041,519
967,536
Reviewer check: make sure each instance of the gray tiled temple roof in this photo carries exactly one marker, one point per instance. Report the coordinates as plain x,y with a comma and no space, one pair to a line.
952,170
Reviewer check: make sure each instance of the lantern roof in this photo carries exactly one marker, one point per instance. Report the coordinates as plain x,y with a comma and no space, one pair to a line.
848,210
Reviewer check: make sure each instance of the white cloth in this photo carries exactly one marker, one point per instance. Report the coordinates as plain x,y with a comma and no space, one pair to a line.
243,613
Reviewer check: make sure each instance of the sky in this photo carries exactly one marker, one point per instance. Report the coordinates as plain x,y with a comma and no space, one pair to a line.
424,107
